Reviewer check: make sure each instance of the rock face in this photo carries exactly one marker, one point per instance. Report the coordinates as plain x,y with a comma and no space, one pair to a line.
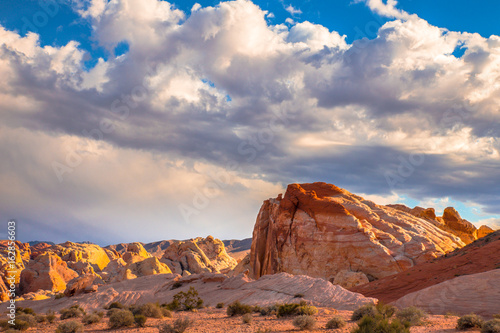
199,255
320,230
481,256
213,288
91,253
479,293
451,221
47,272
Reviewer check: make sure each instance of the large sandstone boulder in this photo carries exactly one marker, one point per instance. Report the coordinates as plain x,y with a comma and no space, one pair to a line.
199,255
86,283
149,266
47,272
479,293
135,253
91,253
320,230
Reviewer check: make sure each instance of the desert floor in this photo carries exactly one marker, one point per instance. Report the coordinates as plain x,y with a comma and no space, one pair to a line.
216,320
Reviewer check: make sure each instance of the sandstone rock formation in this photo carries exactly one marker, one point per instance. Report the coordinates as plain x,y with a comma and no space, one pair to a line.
320,230
47,272
91,253
451,221
135,252
238,249
198,255
480,256
478,293
149,266
83,284
349,279
213,288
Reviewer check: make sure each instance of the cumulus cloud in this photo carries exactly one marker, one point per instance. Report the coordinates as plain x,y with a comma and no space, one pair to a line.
223,91
292,10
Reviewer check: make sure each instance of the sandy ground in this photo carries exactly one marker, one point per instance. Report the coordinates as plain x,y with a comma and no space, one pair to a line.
216,321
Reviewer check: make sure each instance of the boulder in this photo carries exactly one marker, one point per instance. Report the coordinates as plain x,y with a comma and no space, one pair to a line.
320,230
47,272
483,231
91,253
149,266
349,279
86,283
135,253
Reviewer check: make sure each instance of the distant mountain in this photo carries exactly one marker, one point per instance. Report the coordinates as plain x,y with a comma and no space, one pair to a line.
33,243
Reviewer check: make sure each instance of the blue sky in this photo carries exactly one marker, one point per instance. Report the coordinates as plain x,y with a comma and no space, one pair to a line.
187,117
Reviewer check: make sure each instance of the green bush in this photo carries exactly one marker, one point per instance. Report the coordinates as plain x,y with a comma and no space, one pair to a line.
469,321
121,318
70,327
176,285
491,326
111,311
90,319
365,310
166,312
51,316
238,309
179,326
292,309
379,324
219,305
41,319
269,310
304,323
115,305
247,318
298,296
140,320
72,312
335,322
186,301
59,296
412,315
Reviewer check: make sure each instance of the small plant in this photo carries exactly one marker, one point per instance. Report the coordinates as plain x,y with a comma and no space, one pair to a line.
292,309
51,316
71,312
256,309
304,323
298,296
179,326
269,310
238,309
166,312
99,313
59,296
219,305
491,326
176,285
469,321
90,319
379,324
497,316
121,318
140,320
150,310
335,322
115,305
412,315
111,311
41,319
186,301
27,311
70,327
26,318
365,310
247,318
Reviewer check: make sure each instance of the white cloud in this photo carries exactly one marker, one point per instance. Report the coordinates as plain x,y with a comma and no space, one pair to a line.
386,8
292,10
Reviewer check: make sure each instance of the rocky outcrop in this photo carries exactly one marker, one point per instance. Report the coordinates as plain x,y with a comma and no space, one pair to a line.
91,253
477,292
480,256
86,283
320,230
135,253
213,289
349,279
149,266
451,221
199,255
47,272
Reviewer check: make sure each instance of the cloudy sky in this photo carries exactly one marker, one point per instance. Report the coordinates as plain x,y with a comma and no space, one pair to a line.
141,120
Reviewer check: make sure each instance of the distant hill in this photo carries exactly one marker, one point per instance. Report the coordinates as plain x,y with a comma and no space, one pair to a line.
33,243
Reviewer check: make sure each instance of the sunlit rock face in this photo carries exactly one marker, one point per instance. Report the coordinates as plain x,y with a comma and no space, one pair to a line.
322,230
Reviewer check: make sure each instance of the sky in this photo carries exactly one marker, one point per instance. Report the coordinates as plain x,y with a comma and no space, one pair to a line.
143,120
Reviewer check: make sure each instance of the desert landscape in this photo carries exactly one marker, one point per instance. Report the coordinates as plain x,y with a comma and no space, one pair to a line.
318,253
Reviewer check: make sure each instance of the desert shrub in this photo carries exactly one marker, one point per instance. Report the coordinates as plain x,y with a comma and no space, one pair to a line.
238,309
99,313
179,326
256,309
140,320
491,326
121,318
292,309
269,310
247,318
111,311
90,319
298,296
219,305
150,310
59,296
166,313
51,316
25,310
379,324
20,325
186,301
176,285
304,323
41,319
29,318
365,310
70,327
335,322
412,315
469,321
497,316
386,311
71,312
115,305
